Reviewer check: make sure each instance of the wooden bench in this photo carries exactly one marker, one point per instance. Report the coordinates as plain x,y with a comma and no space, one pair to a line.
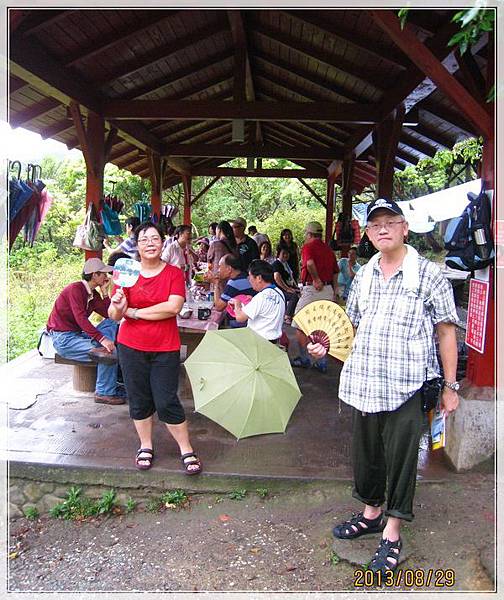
84,373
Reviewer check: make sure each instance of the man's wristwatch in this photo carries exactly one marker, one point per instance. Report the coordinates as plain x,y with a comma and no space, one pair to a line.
453,385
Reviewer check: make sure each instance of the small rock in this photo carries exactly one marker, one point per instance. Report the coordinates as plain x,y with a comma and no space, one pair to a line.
290,567
16,496
33,492
14,512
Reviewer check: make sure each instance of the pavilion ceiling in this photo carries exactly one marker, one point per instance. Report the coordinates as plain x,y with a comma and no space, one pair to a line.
309,84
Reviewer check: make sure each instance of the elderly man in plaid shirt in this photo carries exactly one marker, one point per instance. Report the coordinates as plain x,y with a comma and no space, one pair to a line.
396,302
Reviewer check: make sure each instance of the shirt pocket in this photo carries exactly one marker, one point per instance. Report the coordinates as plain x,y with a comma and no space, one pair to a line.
407,314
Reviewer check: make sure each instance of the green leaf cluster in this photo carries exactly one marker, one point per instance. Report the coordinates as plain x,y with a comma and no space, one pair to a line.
77,506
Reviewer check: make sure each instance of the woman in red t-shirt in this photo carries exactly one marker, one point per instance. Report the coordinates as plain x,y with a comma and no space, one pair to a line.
148,347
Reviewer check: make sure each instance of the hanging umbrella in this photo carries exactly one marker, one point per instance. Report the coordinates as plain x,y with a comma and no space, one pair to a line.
242,382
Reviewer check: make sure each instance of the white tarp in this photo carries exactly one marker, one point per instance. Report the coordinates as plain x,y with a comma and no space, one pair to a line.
423,213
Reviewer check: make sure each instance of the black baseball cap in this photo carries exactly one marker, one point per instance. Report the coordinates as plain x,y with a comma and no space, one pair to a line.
383,203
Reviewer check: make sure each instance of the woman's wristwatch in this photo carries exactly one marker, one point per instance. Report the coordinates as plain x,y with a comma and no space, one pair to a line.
453,385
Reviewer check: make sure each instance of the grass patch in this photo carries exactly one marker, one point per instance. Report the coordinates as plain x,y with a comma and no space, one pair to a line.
175,499
262,492
334,559
31,513
76,506
237,494
130,504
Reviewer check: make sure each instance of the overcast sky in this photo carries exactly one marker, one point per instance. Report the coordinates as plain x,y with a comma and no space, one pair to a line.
28,147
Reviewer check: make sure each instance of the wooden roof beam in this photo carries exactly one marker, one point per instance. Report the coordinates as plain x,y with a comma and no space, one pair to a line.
165,51
407,84
31,62
179,164
38,20
242,64
277,173
359,42
432,135
416,144
106,42
252,111
327,86
178,76
336,62
57,129
425,60
250,150
448,115
15,84
33,112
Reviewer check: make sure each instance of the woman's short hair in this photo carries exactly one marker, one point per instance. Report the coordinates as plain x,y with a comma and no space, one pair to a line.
182,229
281,248
148,225
261,267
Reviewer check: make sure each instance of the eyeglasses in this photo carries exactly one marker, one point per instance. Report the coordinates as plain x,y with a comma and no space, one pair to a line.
142,241
387,225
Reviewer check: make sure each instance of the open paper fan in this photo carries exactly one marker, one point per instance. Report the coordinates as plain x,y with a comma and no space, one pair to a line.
326,323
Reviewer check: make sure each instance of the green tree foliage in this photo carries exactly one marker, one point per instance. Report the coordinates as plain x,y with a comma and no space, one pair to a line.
445,169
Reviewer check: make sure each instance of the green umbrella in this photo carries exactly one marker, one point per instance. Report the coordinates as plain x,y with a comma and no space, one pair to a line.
242,382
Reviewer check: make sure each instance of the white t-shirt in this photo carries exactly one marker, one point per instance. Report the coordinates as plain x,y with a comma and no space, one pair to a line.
266,313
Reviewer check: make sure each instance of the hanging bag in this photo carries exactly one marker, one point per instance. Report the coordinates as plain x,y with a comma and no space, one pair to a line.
90,235
110,220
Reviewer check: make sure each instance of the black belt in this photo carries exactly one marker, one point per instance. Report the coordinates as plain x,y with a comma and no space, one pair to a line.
324,282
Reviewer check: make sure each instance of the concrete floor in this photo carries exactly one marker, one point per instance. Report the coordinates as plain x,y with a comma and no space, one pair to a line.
67,429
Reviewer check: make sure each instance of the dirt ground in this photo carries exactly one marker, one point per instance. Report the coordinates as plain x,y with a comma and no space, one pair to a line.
282,542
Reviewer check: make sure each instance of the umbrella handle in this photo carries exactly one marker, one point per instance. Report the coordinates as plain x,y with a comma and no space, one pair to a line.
13,164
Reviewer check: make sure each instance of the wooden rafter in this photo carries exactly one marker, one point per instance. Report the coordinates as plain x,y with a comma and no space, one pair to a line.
162,52
178,76
252,111
305,49
205,189
405,38
362,138
361,42
39,20
103,43
331,87
34,111
386,137
242,64
312,191
446,114
57,129
277,173
473,79
32,63
234,150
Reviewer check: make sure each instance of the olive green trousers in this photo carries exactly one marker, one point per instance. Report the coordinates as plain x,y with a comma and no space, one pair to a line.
385,455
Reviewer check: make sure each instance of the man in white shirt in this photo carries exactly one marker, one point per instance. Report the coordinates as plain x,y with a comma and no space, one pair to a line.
265,312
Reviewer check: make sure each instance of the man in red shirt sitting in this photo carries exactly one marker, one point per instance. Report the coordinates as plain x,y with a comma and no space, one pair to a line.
319,276
73,334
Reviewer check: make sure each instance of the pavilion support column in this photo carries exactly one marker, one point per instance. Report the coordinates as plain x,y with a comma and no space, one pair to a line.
329,224
92,143
187,183
347,177
156,179
480,370
386,139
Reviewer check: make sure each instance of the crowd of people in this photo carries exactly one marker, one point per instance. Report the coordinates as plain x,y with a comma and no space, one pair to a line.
396,302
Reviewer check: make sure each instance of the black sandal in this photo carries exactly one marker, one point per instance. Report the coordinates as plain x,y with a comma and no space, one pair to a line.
195,461
384,557
358,525
145,459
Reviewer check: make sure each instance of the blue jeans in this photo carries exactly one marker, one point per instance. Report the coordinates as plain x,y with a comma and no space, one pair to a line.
76,345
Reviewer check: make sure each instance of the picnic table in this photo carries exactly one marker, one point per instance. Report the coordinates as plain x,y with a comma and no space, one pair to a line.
193,329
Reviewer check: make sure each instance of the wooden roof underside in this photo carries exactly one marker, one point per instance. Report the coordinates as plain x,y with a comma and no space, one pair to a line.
196,65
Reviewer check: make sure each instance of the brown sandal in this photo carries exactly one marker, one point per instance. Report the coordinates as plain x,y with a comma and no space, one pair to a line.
144,459
187,463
